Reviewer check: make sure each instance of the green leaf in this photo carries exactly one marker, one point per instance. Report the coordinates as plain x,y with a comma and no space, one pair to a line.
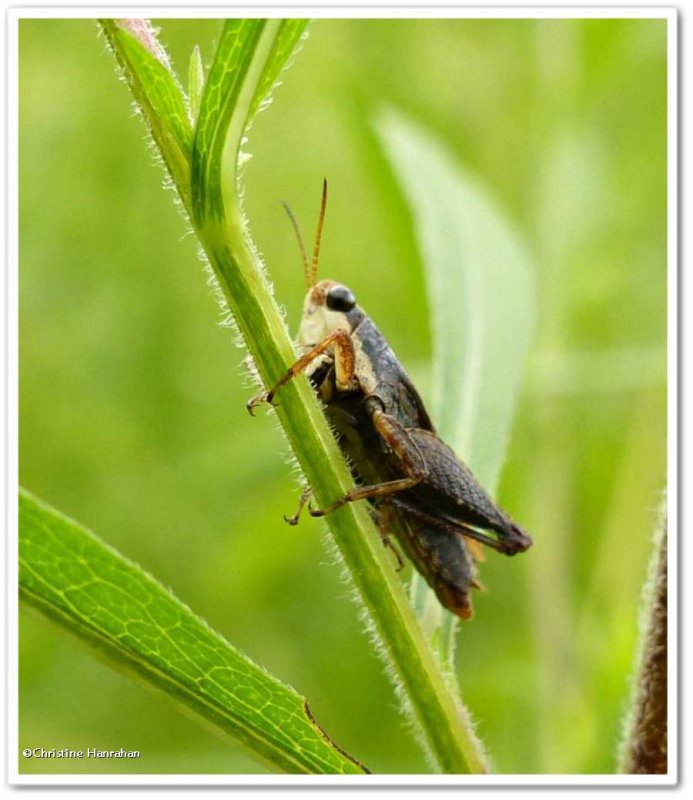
250,56
481,306
157,91
196,81
285,46
112,605
480,290
229,93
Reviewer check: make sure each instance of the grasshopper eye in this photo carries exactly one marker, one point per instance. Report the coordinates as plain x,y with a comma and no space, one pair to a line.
339,298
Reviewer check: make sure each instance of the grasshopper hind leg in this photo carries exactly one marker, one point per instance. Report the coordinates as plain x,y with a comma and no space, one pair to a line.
410,460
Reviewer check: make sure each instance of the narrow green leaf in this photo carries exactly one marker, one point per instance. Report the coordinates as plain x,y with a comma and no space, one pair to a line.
481,307
112,605
285,45
229,93
196,81
480,289
250,56
157,91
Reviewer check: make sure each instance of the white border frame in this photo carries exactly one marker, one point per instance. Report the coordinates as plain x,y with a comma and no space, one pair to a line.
353,11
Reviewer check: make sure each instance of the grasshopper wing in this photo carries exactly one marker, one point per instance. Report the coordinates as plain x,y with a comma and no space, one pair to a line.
450,491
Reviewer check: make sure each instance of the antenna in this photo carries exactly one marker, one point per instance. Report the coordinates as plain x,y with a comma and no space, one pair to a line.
304,255
310,269
318,235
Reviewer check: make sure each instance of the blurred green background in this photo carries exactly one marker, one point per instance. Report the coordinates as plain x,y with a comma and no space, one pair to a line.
132,416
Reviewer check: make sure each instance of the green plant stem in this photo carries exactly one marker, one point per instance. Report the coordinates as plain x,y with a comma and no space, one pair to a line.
440,717
435,706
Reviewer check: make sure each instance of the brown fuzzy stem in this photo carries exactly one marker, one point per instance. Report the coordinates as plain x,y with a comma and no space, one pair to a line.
645,752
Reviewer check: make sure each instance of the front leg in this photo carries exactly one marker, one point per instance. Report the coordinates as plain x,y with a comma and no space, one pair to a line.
344,363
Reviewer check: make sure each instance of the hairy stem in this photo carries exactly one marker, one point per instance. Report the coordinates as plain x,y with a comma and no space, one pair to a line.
644,749
248,52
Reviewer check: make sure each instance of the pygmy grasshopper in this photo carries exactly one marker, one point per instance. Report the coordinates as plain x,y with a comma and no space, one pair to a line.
418,489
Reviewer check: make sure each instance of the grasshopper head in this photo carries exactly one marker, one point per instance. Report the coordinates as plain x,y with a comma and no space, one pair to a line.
329,306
